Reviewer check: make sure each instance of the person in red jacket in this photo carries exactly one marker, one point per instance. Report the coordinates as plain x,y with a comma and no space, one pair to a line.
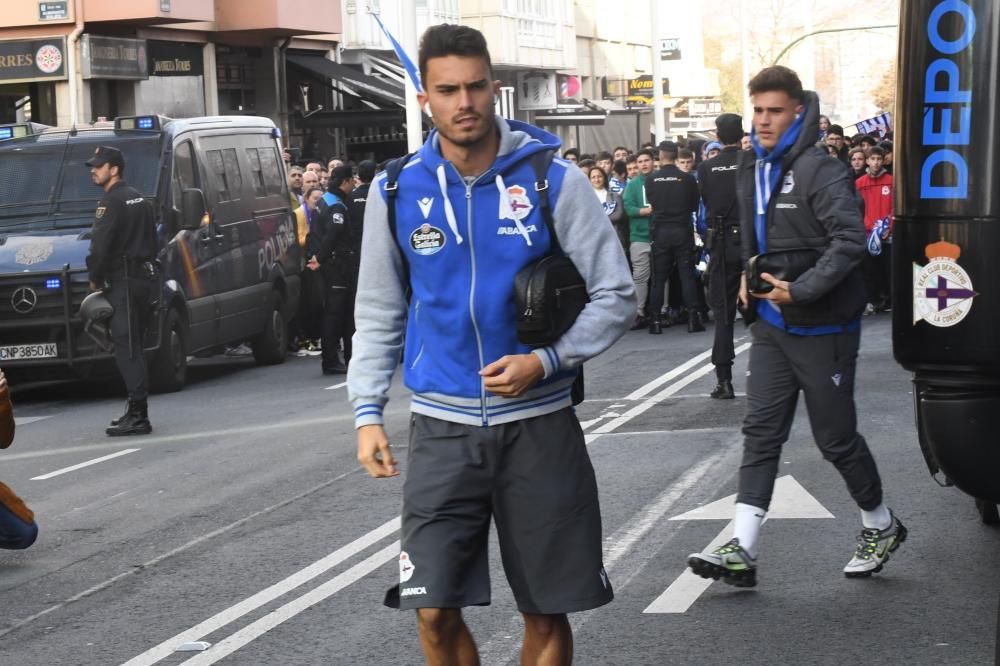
875,188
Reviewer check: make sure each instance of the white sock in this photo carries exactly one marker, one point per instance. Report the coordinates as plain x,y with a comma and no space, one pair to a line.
878,518
747,526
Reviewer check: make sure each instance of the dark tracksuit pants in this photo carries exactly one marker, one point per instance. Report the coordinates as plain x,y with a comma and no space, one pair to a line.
673,245
723,293
130,299
822,367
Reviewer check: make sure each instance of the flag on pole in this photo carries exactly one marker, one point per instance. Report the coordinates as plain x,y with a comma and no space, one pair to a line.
881,123
411,70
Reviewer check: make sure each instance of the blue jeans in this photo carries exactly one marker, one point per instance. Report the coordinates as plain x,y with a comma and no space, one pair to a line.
15,534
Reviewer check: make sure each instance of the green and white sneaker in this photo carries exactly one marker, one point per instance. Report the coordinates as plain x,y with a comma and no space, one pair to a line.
730,562
873,549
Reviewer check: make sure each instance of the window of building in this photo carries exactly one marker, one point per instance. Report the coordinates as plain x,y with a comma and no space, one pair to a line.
539,22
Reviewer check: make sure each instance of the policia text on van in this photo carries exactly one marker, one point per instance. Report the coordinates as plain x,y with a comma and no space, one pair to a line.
226,236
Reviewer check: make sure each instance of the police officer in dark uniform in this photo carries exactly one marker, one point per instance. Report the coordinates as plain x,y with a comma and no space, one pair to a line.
122,249
673,196
356,202
717,178
330,249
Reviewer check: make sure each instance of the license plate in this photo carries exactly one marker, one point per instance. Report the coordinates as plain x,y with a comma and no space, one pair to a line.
24,352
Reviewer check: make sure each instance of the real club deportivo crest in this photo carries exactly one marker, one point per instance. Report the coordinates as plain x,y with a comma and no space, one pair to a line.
520,204
406,567
942,290
789,183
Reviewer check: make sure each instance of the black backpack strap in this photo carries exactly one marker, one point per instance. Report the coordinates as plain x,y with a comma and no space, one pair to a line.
391,187
540,163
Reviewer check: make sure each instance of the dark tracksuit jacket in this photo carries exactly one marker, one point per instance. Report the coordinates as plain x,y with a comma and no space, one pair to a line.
814,206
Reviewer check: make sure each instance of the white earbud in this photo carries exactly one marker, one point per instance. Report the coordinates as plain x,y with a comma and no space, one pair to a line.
427,110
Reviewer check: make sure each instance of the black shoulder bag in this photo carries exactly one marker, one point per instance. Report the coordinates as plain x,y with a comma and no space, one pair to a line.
549,293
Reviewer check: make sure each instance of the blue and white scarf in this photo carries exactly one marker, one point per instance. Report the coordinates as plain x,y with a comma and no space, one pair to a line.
875,237
767,174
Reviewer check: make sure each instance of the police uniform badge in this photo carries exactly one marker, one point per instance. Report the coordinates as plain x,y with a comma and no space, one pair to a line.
100,212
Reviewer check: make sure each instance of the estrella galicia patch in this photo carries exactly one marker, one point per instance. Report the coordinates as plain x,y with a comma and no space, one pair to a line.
427,240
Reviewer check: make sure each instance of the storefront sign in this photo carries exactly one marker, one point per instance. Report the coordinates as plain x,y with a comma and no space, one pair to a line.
670,48
53,11
536,90
640,90
175,59
114,58
33,60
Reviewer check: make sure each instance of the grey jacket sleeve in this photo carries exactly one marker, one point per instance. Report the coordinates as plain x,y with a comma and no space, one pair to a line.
593,247
379,314
836,208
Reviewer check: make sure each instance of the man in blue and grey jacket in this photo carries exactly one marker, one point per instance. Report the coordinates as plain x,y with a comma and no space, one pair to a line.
494,434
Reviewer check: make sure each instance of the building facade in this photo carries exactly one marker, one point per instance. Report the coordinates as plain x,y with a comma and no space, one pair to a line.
76,61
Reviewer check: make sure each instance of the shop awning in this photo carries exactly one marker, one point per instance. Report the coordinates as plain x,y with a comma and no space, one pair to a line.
351,80
588,115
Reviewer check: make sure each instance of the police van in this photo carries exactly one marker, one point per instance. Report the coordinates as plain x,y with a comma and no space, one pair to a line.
229,258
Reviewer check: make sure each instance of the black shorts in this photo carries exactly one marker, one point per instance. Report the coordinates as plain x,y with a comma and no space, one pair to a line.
534,478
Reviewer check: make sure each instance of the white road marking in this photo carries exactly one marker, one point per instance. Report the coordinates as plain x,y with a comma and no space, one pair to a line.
686,588
292,608
648,388
17,624
645,390
790,500
500,648
184,437
88,463
25,420
299,578
649,403
336,386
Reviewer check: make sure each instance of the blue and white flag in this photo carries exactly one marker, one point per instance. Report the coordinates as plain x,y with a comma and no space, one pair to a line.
400,53
881,123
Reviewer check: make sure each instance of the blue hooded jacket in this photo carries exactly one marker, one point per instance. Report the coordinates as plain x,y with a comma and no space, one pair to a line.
465,239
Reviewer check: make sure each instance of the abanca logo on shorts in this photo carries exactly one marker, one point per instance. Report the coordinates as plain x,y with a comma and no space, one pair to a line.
413,591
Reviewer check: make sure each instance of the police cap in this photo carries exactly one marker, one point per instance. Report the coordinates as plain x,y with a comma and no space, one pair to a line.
107,155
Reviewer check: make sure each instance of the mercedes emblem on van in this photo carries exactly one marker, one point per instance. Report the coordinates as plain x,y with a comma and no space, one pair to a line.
24,300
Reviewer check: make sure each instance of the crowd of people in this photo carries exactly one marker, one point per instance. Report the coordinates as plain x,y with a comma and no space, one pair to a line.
619,179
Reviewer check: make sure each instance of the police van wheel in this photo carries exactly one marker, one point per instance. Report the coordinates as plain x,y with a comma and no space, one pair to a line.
168,371
269,347
988,511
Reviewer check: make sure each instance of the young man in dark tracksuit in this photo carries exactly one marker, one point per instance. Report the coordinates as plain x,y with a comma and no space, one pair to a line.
673,196
493,433
717,180
807,331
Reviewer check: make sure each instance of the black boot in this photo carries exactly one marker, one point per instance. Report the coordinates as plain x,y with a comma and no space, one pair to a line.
723,390
694,322
135,422
655,326
114,422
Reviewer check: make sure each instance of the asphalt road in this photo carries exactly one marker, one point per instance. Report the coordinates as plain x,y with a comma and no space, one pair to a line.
244,521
